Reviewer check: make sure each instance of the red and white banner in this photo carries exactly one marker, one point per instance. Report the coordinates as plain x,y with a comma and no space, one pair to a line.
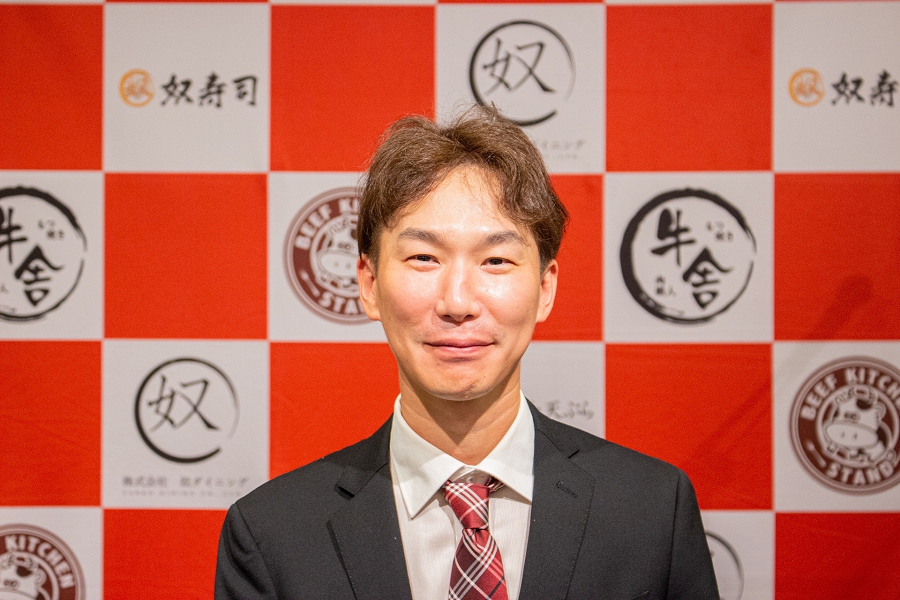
178,310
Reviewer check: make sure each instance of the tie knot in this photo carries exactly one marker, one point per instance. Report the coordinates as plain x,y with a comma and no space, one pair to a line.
469,501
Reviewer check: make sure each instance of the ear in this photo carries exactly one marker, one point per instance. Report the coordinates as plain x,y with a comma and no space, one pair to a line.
368,287
548,291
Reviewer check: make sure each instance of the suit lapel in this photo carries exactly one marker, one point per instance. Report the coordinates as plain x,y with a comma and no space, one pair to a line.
559,512
366,531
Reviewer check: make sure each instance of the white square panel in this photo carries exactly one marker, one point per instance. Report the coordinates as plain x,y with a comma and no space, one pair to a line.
185,423
836,422
835,66
72,538
688,257
567,381
742,544
313,292
542,65
186,87
51,271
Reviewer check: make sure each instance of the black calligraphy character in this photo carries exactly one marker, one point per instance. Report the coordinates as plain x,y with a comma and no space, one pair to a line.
499,68
246,87
667,229
212,93
701,273
8,231
165,403
884,90
847,91
177,90
30,271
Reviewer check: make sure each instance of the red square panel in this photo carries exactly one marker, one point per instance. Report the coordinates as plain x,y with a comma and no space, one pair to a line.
50,423
186,256
837,556
160,553
578,310
689,88
340,76
837,259
325,397
51,87
704,408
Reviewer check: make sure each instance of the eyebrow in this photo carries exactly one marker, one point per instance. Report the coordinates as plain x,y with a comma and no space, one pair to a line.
493,239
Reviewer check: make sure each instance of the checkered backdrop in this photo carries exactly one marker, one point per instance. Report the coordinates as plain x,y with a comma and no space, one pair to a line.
176,290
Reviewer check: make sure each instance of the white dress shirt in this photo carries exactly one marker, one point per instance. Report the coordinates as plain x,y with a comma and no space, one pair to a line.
429,529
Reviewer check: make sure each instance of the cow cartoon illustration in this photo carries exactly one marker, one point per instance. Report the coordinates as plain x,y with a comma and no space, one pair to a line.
20,578
855,427
337,257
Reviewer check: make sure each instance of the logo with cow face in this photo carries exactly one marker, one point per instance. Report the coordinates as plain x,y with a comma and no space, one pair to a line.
36,565
845,425
320,255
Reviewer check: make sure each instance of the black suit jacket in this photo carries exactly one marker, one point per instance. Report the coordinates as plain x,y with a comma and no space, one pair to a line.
606,523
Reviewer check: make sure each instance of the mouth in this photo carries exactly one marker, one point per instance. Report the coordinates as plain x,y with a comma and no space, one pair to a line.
458,348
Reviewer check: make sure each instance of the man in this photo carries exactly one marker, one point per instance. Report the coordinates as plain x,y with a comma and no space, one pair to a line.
467,491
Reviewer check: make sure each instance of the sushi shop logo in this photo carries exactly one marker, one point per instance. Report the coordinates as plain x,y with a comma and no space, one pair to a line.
806,87
728,567
525,68
37,565
845,426
186,409
136,87
320,255
687,256
42,253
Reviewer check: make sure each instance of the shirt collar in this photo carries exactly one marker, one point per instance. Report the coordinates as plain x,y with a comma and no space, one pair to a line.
421,469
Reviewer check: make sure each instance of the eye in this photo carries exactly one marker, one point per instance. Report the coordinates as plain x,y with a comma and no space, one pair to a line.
496,261
422,258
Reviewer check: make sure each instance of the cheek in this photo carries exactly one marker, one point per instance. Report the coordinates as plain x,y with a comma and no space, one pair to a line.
407,301
512,300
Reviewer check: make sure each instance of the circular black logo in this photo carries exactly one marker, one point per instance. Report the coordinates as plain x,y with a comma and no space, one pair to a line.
186,409
728,567
845,426
37,565
687,256
524,67
42,250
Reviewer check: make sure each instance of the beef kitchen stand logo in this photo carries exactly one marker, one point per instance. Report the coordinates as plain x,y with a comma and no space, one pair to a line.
845,426
687,256
320,255
186,410
37,565
42,253
524,67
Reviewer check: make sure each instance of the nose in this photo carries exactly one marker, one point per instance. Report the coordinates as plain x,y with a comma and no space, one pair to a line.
458,296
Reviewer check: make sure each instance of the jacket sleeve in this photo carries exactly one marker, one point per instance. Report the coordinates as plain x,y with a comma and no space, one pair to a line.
241,572
691,576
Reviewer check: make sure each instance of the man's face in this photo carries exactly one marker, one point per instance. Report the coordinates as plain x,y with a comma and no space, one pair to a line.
459,290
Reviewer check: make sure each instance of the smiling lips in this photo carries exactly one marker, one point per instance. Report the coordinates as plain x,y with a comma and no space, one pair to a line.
458,347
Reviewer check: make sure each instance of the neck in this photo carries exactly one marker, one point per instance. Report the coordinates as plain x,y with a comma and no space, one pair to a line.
468,430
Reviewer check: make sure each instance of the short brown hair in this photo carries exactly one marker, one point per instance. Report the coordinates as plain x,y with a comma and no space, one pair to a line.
416,154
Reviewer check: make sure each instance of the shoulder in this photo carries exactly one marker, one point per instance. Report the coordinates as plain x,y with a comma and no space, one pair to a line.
609,463
315,490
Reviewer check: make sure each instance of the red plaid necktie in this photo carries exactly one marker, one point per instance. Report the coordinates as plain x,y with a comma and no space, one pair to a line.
477,569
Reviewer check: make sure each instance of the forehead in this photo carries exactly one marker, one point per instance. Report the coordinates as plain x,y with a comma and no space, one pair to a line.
466,199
